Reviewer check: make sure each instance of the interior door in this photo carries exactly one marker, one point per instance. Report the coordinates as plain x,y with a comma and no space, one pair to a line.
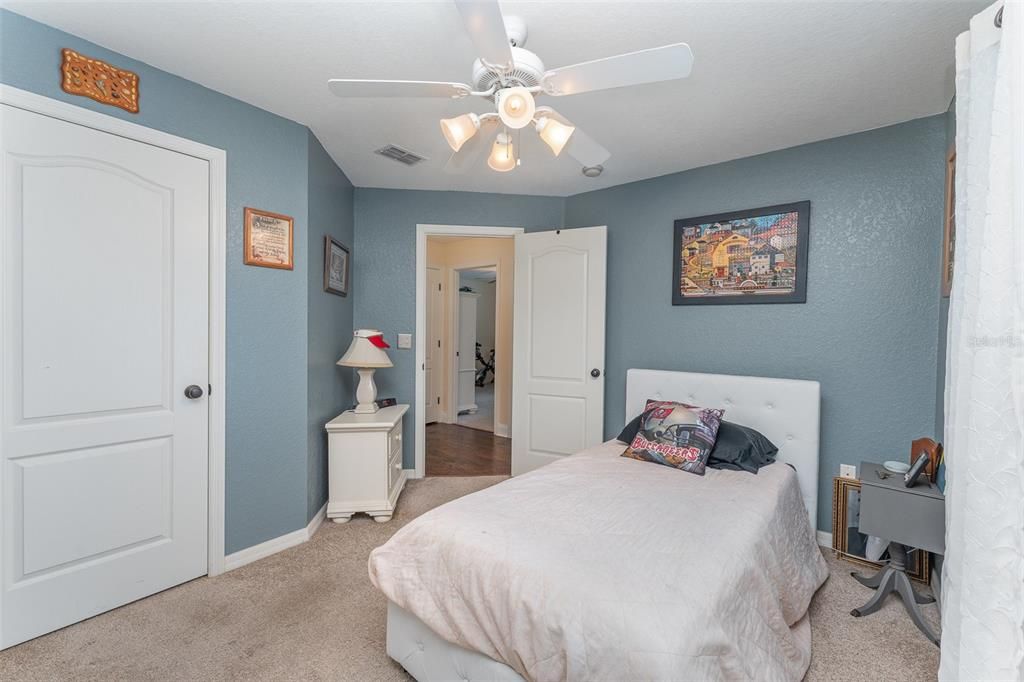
104,314
433,362
465,354
558,348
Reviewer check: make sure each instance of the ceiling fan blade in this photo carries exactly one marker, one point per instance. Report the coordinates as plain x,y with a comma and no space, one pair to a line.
580,146
349,87
634,68
586,149
486,29
471,153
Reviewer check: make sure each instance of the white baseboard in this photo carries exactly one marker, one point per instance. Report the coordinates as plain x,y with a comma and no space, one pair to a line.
825,539
410,474
502,430
275,545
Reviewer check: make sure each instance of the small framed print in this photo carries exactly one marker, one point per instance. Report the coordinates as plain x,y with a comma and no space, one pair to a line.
336,266
269,239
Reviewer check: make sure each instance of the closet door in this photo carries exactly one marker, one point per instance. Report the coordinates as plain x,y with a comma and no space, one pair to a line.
104,312
466,351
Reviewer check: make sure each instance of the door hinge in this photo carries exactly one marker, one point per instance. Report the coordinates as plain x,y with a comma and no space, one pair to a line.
209,389
438,400
439,286
456,353
439,343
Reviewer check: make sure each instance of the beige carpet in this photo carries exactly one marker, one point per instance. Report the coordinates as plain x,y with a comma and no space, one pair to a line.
310,613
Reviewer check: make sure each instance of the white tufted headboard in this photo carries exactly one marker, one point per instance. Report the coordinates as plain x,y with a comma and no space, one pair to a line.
784,410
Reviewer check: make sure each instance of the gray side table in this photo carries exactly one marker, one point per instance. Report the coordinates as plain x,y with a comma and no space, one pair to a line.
907,518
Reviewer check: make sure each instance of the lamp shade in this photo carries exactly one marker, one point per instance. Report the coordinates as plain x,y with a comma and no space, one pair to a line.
516,106
459,129
554,133
503,157
366,350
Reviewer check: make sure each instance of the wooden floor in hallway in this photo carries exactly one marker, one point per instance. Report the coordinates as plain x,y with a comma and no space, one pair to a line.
454,450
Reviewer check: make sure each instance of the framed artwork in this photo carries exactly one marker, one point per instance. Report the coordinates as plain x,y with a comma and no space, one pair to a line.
753,256
949,236
98,80
336,266
852,545
269,239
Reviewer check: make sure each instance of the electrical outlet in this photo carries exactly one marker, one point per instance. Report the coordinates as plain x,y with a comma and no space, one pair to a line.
847,471
405,341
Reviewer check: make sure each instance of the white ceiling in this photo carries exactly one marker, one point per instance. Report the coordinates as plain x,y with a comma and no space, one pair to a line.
767,75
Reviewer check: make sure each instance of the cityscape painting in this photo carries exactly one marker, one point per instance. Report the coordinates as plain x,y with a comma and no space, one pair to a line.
754,256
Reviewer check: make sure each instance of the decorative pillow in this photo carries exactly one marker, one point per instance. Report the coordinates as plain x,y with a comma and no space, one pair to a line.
741,448
676,435
630,430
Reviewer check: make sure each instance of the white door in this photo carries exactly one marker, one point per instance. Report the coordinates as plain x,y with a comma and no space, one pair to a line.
104,307
558,345
466,352
433,370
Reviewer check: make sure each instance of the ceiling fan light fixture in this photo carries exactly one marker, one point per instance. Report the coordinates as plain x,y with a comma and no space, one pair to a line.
554,133
516,106
459,129
503,157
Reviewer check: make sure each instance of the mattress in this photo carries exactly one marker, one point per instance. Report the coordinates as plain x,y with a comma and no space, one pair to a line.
603,567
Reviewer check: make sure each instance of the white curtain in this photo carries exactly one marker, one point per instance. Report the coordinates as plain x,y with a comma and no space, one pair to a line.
983,574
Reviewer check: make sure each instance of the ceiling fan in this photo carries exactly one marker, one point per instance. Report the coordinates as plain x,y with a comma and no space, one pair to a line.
512,78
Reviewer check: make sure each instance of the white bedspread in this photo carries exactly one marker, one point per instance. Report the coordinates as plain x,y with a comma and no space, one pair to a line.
604,567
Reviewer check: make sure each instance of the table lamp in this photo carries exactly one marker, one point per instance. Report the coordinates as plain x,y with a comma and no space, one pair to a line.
366,354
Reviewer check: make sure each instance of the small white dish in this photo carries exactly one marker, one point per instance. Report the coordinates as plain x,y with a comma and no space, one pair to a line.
896,467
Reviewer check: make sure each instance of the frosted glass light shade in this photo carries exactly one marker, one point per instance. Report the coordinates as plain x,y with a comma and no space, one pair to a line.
516,107
554,133
458,130
503,157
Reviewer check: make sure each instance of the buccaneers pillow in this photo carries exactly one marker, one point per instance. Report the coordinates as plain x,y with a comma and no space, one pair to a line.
676,435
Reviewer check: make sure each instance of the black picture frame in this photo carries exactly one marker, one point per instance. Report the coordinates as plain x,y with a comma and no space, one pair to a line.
335,249
799,291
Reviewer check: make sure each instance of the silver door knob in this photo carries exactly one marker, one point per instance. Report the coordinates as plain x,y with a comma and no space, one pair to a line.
595,372
193,392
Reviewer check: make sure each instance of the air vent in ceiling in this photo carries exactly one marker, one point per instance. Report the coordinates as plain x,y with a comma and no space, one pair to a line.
401,155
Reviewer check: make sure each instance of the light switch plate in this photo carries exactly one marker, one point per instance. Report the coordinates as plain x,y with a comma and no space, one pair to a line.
405,341
847,471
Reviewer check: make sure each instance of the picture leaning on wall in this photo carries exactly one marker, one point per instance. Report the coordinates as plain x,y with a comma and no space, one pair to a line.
753,256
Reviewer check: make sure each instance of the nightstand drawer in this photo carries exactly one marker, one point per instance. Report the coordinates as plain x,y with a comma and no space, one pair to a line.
395,439
394,468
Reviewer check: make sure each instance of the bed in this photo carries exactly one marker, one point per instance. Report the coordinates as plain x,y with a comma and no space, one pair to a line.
603,567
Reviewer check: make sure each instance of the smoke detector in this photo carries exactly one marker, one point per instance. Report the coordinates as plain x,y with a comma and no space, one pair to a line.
593,171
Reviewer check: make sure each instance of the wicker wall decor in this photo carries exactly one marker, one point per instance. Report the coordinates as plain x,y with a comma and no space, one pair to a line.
95,79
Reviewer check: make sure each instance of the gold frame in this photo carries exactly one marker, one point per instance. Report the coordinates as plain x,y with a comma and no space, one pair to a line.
249,259
841,487
949,231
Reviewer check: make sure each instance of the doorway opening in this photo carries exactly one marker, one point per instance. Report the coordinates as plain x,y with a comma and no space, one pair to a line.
464,332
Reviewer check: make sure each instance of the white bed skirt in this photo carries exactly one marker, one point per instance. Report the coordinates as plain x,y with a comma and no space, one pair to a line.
428,657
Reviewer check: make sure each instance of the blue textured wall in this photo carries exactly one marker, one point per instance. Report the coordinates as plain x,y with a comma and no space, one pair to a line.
868,329
330,316
385,253
266,308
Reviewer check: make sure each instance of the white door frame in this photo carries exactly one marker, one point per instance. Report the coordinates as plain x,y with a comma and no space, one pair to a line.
422,230
217,158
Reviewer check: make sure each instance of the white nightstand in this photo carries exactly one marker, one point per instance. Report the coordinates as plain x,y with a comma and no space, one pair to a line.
365,463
